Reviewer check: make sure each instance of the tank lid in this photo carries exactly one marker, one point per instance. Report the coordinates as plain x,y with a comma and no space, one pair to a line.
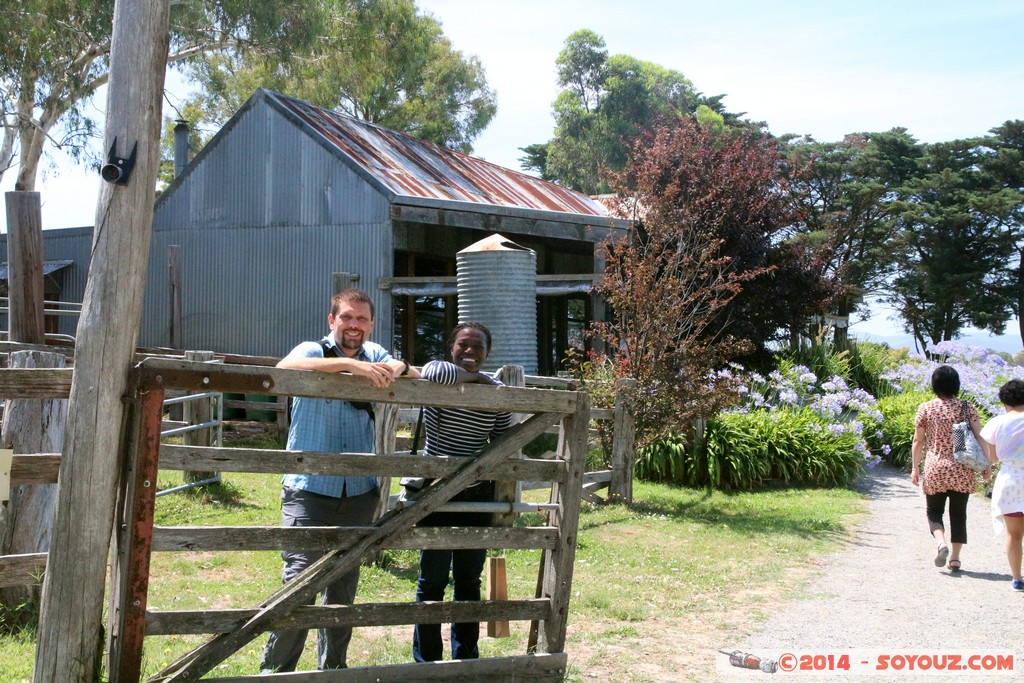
495,242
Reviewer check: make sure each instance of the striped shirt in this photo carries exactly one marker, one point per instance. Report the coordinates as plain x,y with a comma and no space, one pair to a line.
458,431
331,426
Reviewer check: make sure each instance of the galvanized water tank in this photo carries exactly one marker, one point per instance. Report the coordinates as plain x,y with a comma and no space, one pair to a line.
496,281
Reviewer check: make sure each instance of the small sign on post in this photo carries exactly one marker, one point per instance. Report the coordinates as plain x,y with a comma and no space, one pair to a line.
6,458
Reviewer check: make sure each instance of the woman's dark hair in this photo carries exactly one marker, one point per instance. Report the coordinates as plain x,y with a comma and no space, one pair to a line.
470,326
945,382
1012,393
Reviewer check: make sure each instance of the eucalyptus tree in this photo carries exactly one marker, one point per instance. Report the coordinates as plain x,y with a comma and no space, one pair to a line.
605,102
381,61
54,56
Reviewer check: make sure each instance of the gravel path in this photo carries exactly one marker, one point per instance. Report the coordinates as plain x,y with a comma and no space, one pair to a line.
883,595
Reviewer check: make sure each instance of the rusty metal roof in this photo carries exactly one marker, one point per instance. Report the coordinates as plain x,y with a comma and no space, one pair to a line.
410,167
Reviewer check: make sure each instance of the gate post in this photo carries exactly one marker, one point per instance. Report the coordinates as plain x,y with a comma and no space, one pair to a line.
130,575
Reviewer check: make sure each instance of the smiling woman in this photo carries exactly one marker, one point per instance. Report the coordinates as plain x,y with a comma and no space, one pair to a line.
459,433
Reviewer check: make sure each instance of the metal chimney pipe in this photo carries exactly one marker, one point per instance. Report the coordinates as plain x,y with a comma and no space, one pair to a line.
181,132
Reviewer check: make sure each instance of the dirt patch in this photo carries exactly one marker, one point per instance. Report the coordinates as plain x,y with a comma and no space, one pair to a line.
682,648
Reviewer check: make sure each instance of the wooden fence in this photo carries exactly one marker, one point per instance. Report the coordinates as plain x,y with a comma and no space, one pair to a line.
136,538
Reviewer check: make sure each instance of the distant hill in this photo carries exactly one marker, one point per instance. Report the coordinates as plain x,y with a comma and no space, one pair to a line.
1009,343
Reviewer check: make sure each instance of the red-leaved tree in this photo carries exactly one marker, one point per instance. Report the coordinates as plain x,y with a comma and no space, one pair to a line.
706,276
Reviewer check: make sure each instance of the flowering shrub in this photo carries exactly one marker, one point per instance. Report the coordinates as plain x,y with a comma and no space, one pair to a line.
791,427
839,409
981,372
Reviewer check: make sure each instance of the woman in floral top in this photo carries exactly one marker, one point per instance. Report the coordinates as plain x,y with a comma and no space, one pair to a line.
944,478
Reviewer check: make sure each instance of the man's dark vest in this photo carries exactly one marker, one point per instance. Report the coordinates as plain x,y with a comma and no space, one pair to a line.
358,405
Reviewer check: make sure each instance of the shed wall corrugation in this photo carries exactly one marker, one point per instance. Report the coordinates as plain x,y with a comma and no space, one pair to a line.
270,174
274,288
263,223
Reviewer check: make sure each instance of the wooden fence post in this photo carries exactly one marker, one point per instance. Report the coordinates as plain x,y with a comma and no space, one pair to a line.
25,268
620,488
197,412
70,635
30,426
384,425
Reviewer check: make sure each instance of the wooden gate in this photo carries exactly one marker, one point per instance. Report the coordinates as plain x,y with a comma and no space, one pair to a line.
137,538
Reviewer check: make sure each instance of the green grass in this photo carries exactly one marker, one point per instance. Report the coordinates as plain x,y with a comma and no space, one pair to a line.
679,559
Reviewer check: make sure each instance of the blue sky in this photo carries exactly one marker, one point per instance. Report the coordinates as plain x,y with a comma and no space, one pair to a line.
941,69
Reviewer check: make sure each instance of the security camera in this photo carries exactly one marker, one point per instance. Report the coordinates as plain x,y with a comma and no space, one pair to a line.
118,169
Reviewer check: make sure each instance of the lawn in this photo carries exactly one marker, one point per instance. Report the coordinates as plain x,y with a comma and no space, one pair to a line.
658,586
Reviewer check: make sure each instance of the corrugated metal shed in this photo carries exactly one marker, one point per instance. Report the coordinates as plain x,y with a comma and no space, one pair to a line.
410,167
287,194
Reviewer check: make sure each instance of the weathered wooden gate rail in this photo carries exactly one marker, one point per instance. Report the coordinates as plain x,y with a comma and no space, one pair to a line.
232,629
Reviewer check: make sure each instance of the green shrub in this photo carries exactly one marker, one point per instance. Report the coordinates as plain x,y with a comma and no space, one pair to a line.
869,361
897,427
743,451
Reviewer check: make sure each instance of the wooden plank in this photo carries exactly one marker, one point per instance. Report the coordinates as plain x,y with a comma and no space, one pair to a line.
270,407
35,382
497,589
53,346
36,468
272,461
191,538
602,414
22,570
544,668
576,227
195,412
193,622
180,374
297,592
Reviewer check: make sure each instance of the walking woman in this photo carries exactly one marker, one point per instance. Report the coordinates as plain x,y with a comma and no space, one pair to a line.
944,478
457,432
1006,434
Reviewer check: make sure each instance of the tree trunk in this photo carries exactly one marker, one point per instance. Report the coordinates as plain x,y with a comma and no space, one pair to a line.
70,635
30,426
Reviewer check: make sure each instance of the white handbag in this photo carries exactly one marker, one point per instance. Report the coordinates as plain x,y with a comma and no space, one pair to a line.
966,449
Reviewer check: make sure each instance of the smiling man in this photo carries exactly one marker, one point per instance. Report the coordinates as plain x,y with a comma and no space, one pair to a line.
332,426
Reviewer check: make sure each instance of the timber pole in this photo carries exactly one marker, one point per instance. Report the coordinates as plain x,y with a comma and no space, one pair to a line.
69,644
25,268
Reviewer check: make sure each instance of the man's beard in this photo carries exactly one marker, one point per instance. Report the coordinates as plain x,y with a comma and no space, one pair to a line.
351,343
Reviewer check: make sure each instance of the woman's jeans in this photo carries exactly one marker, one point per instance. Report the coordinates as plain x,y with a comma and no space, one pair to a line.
464,567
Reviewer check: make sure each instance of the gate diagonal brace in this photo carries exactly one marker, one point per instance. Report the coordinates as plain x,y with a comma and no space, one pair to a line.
298,592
